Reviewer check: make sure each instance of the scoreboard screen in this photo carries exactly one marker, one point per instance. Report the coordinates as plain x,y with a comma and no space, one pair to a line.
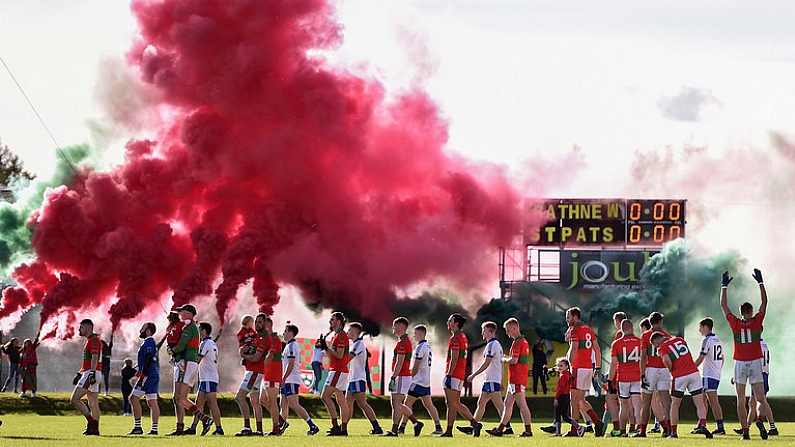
606,222
654,222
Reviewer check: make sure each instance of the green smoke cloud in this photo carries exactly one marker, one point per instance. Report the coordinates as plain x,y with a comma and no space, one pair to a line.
15,234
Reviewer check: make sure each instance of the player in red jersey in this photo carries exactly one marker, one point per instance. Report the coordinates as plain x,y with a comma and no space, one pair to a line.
518,369
625,374
272,382
337,351
252,381
747,351
611,398
655,377
455,373
677,358
585,358
401,378
88,379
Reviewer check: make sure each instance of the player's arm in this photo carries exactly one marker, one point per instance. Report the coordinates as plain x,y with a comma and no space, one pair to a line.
184,337
398,362
95,353
289,369
758,277
415,366
573,348
269,356
333,352
724,293
611,375
703,353
597,354
453,361
483,365
667,362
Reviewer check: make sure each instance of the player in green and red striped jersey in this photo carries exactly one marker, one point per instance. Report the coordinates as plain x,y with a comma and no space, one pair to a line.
337,351
454,376
625,374
518,369
585,358
677,358
401,378
272,382
89,377
188,348
747,351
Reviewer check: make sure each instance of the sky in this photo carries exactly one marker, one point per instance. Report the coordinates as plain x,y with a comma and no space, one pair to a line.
616,98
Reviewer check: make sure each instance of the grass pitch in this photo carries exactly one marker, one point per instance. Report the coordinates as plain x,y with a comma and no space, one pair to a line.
34,430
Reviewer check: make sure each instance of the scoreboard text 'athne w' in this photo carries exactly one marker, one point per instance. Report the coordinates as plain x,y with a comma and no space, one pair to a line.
606,222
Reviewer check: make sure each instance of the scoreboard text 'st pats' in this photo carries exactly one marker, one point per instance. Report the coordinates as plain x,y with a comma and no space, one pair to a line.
607,222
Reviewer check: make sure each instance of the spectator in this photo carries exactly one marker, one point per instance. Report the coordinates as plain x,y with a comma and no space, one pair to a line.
127,373
539,366
28,364
317,366
106,348
12,349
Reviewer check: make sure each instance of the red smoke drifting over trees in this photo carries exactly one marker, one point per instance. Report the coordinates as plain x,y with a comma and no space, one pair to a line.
269,166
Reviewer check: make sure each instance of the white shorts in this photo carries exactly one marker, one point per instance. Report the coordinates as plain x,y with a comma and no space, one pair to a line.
452,383
690,383
627,389
251,382
91,388
659,379
337,379
269,384
188,375
514,388
748,372
583,378
402,384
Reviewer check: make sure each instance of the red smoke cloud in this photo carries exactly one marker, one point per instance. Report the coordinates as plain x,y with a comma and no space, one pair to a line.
270,166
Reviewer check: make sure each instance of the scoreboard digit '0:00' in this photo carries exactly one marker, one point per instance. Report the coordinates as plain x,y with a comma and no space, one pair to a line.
656,221
606,222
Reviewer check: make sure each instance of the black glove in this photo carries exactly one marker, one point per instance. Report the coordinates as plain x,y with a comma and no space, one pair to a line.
643,383
77,378
758,276
322,342
726,279
92,377
611,388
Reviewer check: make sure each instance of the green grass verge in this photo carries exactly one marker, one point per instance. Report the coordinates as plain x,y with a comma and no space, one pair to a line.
34,430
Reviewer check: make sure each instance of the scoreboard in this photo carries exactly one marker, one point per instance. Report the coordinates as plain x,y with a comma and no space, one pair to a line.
605,222
653,222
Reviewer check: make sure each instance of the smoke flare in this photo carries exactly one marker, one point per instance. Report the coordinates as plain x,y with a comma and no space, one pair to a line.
268,166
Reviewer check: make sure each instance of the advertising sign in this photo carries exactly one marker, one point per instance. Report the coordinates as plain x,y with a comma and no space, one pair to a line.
593,270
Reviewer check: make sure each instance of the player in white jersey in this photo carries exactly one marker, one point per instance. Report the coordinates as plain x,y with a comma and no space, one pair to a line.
492,380
208,379
710,362
420,387
291,378
753,404
357,378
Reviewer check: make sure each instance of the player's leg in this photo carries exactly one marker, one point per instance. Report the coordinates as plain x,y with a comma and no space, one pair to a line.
256,408
328,402
496,400
524,410
676,401
345,410
742,411
215,411
480,410
451,397
623,414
